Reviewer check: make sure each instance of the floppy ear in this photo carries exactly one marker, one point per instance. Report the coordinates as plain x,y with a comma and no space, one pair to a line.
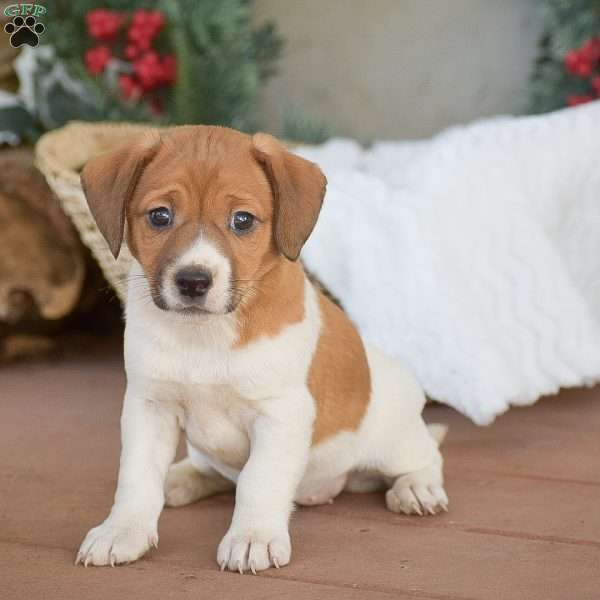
298,188
108,181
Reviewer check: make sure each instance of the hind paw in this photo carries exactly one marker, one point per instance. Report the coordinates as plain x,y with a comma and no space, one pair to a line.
185,484
418,493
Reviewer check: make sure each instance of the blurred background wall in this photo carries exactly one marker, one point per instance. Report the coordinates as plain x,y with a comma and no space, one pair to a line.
400,68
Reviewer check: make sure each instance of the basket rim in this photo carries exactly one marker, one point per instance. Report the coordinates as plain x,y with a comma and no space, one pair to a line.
49,149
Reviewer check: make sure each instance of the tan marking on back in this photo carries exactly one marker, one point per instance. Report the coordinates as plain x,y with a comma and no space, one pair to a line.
339,377
271,303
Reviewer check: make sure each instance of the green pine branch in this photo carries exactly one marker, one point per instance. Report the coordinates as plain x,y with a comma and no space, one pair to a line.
223,59
567,24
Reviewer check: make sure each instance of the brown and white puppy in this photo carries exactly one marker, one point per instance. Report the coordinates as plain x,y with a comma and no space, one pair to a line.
227,339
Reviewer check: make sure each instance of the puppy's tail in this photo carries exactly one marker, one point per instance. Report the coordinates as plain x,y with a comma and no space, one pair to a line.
438,432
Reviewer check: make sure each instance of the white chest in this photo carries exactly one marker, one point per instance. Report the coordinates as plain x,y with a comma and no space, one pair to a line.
217,388
217,422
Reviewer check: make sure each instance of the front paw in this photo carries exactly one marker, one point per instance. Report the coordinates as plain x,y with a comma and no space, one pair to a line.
254,550
113,543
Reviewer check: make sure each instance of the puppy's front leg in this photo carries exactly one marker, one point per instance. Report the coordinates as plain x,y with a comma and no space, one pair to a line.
258,536
149,434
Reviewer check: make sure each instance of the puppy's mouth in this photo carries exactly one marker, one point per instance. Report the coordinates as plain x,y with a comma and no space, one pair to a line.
171,303
197,309
190,310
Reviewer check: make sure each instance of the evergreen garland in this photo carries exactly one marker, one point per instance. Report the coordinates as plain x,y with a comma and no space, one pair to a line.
221,60
567,70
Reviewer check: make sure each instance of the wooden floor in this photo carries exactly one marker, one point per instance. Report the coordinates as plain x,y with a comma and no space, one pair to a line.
524,520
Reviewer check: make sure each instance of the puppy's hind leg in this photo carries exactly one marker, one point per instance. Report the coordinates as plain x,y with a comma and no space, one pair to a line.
187,483
421,491
364,482
397,443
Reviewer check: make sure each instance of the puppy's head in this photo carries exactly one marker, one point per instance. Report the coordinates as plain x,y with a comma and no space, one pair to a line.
208,211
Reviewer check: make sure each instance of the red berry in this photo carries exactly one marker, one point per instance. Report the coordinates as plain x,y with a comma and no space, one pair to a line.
145,25
584,69
157,19
577,64
148,70
103,24
596,84
582,61
139,16
130,88
577,99
572,61
144,44
131,51
134,33
590,51
168,69
97,58
139,36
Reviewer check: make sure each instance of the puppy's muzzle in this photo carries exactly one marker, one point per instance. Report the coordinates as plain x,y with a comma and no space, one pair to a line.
193,282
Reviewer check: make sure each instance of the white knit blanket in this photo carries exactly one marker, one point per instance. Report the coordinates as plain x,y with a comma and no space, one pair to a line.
473,257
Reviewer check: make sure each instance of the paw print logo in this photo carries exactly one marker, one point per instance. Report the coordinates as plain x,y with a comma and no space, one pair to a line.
24,31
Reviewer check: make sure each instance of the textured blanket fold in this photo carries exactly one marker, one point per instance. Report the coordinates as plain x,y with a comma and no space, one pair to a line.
473,257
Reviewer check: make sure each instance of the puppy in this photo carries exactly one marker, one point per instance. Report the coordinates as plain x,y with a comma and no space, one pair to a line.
227,340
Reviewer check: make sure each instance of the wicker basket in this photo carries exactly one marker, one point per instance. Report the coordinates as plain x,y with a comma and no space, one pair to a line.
60,156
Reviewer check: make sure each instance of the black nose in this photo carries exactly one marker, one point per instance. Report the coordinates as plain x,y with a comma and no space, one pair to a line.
193,282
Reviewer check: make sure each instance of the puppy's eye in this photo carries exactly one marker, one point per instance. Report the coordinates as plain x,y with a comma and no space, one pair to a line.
242,222
160,217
